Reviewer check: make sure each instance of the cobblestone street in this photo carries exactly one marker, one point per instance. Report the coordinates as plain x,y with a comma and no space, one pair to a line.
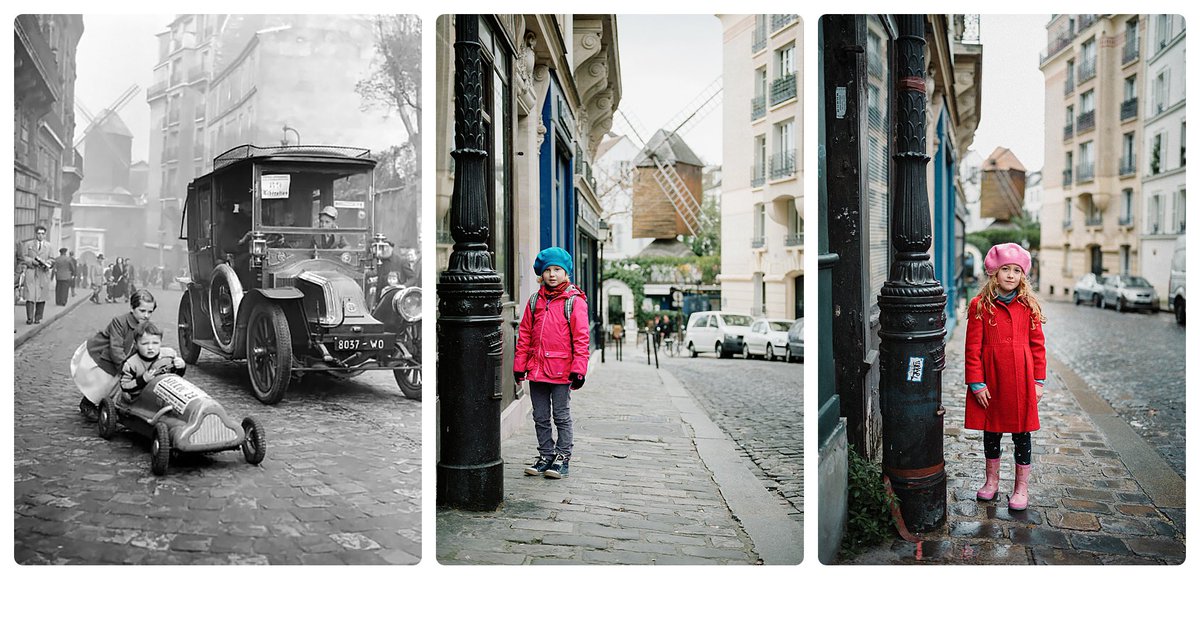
1136,361
760,404
341,483
649,484
1092,500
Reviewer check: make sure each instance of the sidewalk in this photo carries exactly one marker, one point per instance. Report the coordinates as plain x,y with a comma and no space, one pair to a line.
24,332
650,483
1095,496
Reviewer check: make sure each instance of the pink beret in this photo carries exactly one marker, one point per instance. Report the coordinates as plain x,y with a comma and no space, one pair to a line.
1003,254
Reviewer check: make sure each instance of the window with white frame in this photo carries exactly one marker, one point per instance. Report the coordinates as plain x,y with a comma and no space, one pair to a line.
1070,114
1179,211
1154,215
1129,89
1158,153
1087,165
785,61
1162,33
1087,102
1126,207
1162,90
1067,213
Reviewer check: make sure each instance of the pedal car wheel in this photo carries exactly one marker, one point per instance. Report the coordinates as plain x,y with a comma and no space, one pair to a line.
269,353
160,449
106,426
254,446
409,382
187,348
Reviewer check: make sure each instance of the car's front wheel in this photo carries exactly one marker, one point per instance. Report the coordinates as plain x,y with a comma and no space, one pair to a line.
269,352
770,352
1179,316
410,382
692,350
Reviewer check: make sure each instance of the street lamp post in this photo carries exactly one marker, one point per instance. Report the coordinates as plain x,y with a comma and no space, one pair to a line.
912,304
470,472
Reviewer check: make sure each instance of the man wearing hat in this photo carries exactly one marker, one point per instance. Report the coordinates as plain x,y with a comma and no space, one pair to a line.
64,272
37,275
327,220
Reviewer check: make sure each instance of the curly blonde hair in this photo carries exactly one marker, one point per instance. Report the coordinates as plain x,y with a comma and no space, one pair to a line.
991,288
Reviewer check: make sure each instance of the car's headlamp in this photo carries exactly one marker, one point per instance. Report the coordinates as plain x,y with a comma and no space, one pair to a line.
408,304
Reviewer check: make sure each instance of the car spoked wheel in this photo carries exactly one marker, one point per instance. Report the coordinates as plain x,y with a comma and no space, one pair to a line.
409,382
254,446
106,425
187,347
160,449
269,353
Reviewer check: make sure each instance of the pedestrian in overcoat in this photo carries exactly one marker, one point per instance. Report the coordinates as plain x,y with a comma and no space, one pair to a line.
64,273
38,262
1005,366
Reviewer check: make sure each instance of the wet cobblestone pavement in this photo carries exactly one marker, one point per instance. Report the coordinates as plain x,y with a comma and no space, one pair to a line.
1085,505
341,482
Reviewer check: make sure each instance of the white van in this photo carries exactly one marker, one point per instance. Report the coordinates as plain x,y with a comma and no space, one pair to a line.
719,332
1175,287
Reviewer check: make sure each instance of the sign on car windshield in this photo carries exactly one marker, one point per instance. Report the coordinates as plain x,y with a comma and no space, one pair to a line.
275,186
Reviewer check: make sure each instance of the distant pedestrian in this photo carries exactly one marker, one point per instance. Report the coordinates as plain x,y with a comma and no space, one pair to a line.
36,285
64,272
1005,366
553,357
74,272
96,364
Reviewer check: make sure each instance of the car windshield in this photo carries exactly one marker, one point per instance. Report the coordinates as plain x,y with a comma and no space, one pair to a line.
781,326
1137,282
736,320
315,207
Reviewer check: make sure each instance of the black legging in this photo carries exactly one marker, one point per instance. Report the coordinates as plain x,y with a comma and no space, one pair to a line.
1022,444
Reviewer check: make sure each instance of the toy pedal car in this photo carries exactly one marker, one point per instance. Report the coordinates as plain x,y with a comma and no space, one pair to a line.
177,416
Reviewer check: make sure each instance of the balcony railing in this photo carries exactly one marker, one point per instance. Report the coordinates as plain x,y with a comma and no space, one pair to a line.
758,107
794,239
1085,172
758,242
1087,69
1128,166
1069,87
1061,40
1085,122
783,164
1129,109
1130,52
783,89
1067,177
781,20
1068,131
758,39
1094,218
758,176
1086,20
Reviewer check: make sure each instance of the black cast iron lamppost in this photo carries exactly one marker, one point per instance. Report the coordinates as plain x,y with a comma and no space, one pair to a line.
912,308
470,472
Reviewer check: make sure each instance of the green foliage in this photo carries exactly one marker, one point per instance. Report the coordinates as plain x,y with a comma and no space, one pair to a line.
1024,232
868,509
636,271
1155,156
708,242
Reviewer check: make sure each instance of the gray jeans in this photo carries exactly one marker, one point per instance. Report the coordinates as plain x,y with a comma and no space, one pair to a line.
556,398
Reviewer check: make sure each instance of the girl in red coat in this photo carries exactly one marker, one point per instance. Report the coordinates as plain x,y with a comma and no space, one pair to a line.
552,352
1005,366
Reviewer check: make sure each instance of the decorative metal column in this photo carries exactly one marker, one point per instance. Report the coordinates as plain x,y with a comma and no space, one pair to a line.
470,472
912,308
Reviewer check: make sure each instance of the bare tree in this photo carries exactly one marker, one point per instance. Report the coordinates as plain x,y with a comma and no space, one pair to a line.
395,80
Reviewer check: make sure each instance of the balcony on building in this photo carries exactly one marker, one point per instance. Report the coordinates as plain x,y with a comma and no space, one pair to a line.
758,176
156,89
783,89
793,239
1085,122
781,20
1085,173
758,107
1130,52
758,241
195,73
1128,166
1067,176
1058,42
1086,20
1069,86
1068,131
1129,109
1086,70
758,39
782,165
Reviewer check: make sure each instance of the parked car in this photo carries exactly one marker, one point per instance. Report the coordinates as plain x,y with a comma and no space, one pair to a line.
1089,289
1129,291
795,343
1175,287
719,332
281,250
766,338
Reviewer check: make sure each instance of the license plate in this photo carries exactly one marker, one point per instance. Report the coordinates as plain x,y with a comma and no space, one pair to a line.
362,343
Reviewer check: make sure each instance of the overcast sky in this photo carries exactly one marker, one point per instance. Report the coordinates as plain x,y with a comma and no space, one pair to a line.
666,62
1014,90
114,53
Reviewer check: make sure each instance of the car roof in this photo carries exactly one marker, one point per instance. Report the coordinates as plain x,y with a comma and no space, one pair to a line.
348,155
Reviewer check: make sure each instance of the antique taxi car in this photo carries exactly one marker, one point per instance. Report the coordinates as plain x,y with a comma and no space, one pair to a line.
282,247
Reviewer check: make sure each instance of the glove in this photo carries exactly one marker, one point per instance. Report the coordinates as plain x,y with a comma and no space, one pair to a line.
576,380
519,376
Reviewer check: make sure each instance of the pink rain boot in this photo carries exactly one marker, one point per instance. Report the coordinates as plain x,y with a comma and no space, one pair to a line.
1020,496
992,484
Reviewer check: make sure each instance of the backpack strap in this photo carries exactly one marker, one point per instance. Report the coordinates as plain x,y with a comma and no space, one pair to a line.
568,306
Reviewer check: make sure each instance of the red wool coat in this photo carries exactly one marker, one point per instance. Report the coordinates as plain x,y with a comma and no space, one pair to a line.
545,347
1007,351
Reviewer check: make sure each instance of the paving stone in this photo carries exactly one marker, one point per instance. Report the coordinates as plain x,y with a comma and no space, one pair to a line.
1100,544
1081,521
1157,547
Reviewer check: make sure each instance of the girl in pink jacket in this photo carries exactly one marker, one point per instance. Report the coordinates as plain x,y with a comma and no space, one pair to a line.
552,352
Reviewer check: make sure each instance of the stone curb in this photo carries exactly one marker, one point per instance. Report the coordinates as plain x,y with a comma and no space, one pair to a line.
20,339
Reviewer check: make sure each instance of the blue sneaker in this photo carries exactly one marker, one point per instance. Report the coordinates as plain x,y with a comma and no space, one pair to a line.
558,469
539,466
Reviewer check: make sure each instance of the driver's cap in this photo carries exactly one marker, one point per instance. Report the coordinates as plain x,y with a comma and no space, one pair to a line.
330,211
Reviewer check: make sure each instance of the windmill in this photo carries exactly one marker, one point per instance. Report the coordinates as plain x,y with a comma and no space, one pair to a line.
96,121
681,198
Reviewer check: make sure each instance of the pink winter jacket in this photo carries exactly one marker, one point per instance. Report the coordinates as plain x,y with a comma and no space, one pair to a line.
545,347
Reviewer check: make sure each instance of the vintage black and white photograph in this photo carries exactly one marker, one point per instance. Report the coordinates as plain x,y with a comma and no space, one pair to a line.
620,289
217,289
